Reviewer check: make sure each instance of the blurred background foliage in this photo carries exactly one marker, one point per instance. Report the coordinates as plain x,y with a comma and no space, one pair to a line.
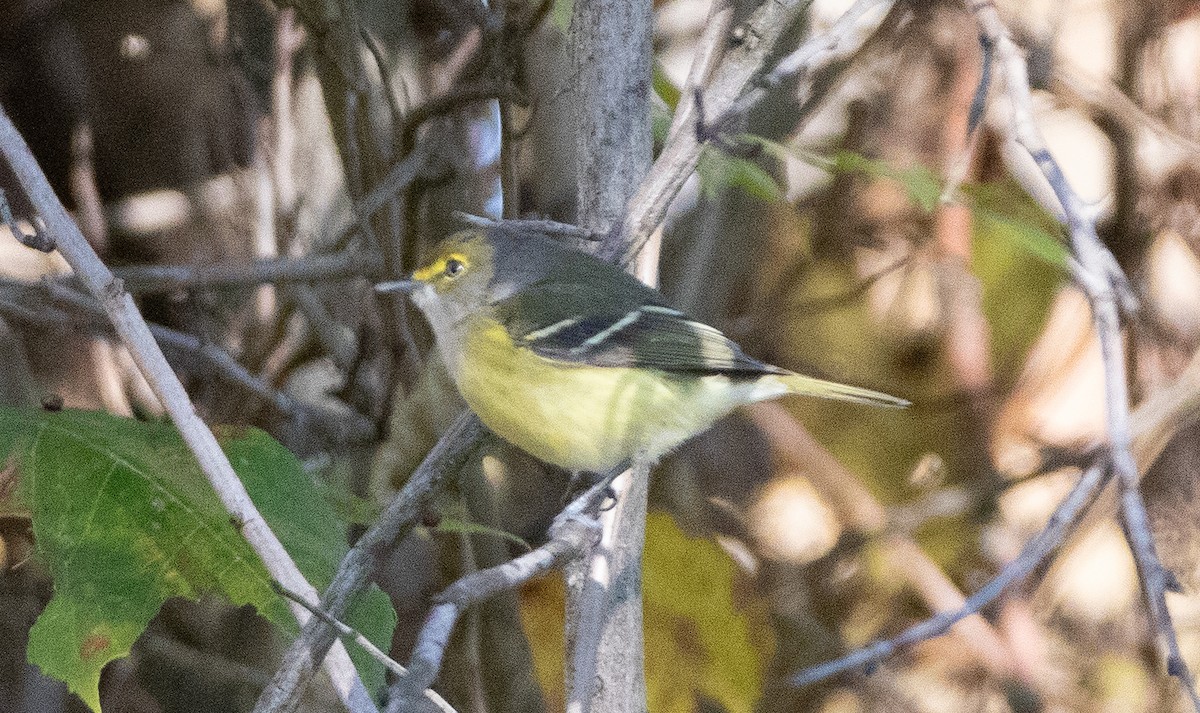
196,132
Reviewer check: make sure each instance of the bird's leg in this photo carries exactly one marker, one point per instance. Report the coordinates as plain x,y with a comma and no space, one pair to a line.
582,480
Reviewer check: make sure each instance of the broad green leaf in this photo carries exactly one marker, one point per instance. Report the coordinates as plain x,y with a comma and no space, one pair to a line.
718,170
124,520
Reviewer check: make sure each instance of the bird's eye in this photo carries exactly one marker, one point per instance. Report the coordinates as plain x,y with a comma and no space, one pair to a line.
454,267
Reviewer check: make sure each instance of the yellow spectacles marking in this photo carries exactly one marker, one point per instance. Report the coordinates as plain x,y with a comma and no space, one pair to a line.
437,267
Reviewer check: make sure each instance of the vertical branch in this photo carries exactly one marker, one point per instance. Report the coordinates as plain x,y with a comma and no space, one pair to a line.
611,52
1107,290
610,49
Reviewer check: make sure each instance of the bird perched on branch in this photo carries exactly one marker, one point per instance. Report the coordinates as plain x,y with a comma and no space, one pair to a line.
577,362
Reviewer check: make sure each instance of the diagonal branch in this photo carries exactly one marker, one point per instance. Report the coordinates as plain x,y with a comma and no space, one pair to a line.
136,336
1064,518
354,572
733,91
572,533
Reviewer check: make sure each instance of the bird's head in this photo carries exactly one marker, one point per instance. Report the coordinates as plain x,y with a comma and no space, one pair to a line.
454,282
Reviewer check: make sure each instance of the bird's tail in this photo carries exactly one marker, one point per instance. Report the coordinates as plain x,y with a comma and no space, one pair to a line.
808,386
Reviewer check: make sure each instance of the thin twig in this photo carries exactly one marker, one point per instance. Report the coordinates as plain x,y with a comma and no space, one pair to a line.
398,178
347,265
345,630
354,571
38,240
446,103
730,86
343,427
136,336
546,227
861,512
573,531
1032,555
838,42
1108,292
1155,421
710,48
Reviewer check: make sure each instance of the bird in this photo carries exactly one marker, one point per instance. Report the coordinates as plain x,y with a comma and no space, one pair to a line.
577,362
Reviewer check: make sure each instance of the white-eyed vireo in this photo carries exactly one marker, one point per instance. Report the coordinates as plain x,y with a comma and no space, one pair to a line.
579,363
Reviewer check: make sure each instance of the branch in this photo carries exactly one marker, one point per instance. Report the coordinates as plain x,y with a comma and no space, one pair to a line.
862,512
15,297
163,278
611,52
354,571
546,227
728,90
1162,415
38,240
574,530
1108,291
136,336
839,42
1068,512
345,630
604,666
399,177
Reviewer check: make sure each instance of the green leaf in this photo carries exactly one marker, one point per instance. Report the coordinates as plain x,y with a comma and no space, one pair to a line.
664,87
698,640
124,519
922,185
778,151
1006,212
718,170
456,526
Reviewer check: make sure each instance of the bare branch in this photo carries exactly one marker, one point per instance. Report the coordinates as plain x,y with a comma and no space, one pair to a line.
839,42
756,39
38,240
546,227
1033,554
164,278
354,571
136,336
573,531
345,630
1108,292
15,296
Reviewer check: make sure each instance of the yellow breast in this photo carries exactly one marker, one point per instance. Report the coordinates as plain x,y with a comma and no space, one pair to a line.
582,417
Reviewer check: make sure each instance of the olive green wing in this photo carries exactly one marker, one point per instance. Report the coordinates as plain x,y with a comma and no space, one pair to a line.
558,324
573,307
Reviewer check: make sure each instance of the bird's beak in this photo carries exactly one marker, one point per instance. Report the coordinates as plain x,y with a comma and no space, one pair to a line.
406,286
